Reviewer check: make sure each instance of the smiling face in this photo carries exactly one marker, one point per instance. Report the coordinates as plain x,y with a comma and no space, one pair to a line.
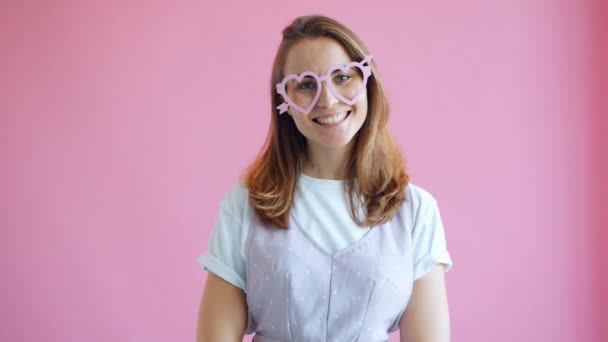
331,123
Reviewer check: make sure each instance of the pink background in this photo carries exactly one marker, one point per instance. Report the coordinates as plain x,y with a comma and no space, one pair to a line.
120,133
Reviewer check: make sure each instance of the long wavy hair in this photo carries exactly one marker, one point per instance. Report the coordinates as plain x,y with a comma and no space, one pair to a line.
376,169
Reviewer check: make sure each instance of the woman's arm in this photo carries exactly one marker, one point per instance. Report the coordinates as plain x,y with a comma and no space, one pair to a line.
426,318
223,312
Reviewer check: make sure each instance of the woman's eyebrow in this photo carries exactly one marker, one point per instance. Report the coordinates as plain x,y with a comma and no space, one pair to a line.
322,73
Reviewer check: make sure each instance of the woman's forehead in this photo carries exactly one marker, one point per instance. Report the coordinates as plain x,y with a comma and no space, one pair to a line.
316,55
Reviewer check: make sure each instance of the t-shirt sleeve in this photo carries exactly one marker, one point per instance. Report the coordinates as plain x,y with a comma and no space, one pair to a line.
224,255
428,239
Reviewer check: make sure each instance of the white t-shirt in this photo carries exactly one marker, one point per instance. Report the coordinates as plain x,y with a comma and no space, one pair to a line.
321,206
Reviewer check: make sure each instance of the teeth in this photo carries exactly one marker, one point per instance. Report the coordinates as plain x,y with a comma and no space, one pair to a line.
331,120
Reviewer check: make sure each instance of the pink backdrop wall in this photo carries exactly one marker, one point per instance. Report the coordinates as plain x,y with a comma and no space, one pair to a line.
119,137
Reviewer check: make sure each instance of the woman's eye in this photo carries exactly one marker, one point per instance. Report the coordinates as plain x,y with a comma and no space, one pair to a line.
342,78
306,85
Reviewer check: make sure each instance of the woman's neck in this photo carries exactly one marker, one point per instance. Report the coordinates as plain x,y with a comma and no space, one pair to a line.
327,163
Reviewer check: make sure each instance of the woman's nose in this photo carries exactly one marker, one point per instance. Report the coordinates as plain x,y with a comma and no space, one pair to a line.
326,98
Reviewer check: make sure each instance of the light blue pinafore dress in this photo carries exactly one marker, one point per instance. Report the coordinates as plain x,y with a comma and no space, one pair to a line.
298,291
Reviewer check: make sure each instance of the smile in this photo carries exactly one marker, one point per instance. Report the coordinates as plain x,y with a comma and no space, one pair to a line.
332,121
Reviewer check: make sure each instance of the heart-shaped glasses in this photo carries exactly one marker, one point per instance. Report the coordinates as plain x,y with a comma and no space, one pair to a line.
346,82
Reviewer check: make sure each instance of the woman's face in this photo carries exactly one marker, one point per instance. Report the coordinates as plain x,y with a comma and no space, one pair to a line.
330,123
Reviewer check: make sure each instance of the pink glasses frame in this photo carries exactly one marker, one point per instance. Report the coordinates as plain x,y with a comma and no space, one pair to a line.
363,66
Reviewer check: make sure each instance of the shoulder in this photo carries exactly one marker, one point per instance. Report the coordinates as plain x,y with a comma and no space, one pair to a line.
236,215
418,198
427,231
236,200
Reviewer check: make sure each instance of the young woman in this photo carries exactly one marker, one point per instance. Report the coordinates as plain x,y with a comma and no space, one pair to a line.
325,238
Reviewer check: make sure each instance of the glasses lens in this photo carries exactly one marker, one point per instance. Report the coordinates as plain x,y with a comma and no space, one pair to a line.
347,82
302,93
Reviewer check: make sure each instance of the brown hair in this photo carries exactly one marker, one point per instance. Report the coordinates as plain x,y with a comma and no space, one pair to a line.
376,168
